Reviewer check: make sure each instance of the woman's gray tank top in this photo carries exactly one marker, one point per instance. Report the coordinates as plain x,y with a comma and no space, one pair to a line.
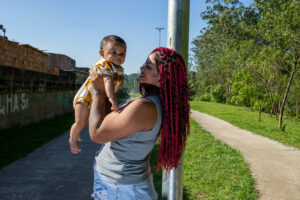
126,161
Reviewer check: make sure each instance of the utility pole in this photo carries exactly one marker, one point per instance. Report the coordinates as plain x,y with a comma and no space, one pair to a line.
159,29
178,39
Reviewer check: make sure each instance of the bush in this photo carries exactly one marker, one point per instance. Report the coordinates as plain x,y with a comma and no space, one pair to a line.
122,96
217,93
205,97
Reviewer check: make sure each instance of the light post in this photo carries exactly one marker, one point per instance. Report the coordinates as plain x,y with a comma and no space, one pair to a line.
159,29
178,32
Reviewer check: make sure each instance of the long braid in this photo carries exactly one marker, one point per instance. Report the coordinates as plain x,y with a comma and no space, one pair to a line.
176,110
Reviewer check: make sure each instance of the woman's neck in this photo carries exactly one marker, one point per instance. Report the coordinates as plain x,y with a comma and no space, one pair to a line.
150,90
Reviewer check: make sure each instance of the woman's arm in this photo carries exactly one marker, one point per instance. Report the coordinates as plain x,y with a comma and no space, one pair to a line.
139,115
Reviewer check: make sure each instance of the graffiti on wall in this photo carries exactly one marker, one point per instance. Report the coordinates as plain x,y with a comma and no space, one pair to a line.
11,103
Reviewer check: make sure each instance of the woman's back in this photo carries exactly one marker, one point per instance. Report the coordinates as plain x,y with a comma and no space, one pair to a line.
126,161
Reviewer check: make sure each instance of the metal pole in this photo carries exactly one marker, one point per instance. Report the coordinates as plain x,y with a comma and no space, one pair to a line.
178,39
159,29
159,38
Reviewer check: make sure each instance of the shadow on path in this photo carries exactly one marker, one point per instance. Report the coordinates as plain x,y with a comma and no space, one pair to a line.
51,172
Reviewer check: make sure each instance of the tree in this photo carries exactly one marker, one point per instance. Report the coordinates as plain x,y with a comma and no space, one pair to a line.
280,26
249,55
3,29
215,49
130,84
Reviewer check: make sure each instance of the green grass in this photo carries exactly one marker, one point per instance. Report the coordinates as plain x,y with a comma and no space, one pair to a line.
16,142
244,118
212,170
157,174
134,95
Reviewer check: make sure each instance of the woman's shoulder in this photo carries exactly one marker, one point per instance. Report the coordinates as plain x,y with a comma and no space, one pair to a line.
140,113
153,100
144,103
140,107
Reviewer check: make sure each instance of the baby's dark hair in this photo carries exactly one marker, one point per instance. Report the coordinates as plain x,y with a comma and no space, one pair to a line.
112,38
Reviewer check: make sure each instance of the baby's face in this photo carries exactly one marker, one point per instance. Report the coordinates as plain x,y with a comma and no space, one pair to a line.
114,52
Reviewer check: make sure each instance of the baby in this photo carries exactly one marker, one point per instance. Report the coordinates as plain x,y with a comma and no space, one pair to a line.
113,52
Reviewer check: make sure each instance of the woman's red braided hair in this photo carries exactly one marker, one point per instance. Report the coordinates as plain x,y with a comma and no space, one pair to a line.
176,110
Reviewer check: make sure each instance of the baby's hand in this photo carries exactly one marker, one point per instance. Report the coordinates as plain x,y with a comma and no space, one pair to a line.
114,106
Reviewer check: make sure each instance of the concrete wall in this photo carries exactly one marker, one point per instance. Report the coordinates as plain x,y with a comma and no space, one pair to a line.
29,96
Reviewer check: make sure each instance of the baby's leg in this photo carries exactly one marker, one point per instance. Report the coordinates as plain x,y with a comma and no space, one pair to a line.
81,119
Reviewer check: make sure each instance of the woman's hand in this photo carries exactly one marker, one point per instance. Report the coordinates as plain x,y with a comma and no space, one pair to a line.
97,81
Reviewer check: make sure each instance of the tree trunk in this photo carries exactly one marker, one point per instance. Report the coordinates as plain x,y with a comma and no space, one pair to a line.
274,106
259,115
297,109
286,93
276,110
228,88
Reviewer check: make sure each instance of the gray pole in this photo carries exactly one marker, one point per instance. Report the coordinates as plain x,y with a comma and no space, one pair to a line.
178,39
159,29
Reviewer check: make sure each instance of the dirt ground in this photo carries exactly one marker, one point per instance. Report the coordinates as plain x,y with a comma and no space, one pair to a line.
274,166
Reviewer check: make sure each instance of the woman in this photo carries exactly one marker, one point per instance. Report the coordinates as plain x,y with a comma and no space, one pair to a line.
121,169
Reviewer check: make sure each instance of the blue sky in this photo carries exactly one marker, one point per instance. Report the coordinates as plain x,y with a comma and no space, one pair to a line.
75,28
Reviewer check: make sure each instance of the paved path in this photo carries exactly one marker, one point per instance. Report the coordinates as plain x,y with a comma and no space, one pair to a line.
51,172
275,167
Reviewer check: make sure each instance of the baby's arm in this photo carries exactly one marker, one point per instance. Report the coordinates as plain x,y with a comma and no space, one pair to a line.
110,90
